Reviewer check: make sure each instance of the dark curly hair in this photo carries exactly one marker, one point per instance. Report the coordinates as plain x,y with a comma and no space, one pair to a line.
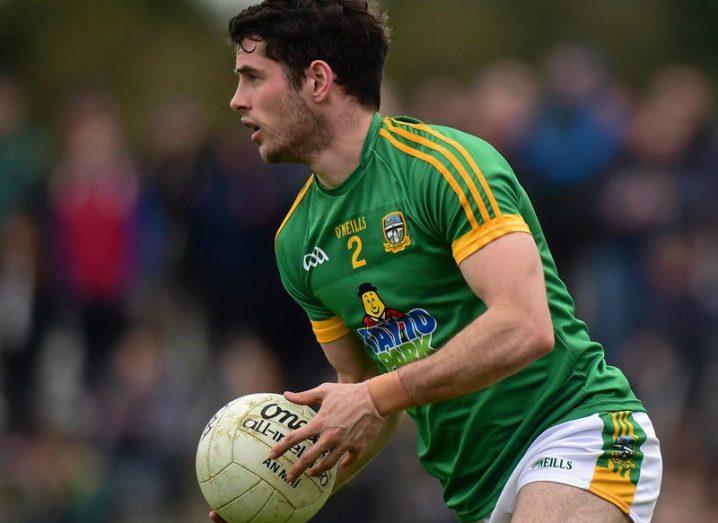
352,36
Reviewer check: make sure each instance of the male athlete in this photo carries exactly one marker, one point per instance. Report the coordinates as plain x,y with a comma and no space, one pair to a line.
517,413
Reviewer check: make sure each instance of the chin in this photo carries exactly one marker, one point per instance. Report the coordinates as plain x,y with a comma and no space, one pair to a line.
271,156
277,156
263,155
267,154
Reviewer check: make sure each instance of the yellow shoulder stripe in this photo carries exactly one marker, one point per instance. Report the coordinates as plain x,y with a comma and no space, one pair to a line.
462,150
449,156
474,240
298,199
329,330
439,167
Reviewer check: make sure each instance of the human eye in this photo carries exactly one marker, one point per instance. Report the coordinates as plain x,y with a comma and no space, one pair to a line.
248,77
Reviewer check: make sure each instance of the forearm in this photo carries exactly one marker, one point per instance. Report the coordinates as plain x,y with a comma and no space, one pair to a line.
344,474
495,345
492,347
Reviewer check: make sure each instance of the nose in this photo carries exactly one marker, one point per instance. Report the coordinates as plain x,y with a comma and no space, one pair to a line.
239,101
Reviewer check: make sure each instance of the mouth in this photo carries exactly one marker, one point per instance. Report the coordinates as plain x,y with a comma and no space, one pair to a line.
254,129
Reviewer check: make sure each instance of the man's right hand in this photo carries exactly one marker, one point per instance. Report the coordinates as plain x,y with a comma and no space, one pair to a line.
216,518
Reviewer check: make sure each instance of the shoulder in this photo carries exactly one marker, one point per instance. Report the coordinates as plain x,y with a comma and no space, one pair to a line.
444,158
430,148
403,132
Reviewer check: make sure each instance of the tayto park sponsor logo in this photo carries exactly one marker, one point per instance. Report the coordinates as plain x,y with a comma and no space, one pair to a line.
398,342
395,337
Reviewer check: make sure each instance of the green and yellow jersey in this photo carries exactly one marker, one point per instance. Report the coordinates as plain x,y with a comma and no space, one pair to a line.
378,255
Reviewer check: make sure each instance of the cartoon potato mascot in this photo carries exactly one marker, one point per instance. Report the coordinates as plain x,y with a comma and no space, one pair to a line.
376,311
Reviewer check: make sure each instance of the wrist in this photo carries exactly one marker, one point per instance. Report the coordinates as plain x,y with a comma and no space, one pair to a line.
388,394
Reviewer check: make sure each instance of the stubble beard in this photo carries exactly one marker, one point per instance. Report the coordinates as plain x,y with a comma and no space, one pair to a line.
304,133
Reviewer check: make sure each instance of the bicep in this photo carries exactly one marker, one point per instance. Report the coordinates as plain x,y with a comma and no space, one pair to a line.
347,356
508,271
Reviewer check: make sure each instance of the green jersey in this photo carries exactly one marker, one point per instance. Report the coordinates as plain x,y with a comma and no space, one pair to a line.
379,255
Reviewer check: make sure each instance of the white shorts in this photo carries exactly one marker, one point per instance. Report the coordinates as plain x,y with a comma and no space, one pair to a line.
615,455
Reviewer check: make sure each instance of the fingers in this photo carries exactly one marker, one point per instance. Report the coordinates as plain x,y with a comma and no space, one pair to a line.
328,461
308,397
310,456
216,518
294,437
349,458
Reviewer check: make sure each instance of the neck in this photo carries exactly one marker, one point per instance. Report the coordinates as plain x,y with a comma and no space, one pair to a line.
338,160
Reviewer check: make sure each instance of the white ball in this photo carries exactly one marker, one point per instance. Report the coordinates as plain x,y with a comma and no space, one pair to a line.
236,475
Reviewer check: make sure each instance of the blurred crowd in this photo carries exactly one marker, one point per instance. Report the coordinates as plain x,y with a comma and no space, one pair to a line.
139,292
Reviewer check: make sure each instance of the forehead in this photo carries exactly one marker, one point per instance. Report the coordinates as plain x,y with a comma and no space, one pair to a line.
251,53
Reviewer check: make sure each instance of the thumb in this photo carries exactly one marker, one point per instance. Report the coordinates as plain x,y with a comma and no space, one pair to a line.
308,397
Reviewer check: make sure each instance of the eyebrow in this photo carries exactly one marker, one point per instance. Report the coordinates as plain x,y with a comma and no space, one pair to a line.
245,69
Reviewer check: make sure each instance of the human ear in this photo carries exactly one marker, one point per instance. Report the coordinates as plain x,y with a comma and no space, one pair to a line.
320,79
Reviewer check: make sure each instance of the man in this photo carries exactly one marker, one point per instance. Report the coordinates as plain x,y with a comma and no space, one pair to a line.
517,413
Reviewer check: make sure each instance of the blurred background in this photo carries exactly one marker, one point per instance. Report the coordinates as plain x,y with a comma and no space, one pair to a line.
138,289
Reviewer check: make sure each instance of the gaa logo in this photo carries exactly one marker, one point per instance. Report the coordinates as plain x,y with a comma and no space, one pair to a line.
314,258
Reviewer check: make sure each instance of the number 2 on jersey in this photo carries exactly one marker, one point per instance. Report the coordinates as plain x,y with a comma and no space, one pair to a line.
356,241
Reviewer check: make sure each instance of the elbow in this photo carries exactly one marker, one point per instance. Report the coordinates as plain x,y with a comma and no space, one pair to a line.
540,338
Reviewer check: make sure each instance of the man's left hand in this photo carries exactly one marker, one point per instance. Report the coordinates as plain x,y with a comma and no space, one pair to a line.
346,422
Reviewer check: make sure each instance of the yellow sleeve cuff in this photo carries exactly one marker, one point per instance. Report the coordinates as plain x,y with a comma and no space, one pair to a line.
329,330
475,239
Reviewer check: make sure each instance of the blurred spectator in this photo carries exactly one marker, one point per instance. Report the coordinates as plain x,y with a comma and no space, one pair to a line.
24,151
94,193
574,138
579,129
23,315
238,205
137,421
24,155
648,191
442,101
249,365
180,158
503,103
646,196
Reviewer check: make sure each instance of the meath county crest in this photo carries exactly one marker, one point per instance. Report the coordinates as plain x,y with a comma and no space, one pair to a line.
395,233
622,453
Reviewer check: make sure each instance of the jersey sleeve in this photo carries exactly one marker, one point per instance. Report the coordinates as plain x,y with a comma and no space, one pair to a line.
469,194
326,325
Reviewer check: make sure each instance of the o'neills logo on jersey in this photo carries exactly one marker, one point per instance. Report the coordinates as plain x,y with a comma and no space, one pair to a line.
352,226
396,337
